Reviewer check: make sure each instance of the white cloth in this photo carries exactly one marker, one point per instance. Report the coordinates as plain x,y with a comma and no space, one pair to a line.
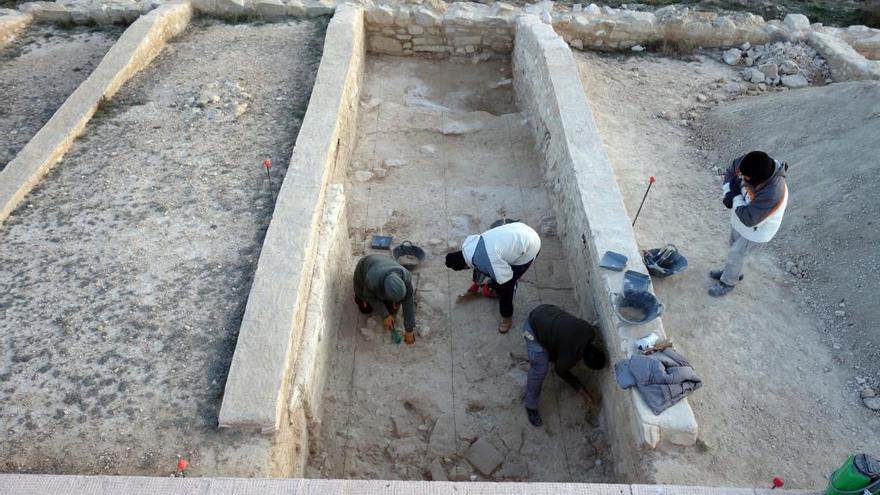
764,231
509,245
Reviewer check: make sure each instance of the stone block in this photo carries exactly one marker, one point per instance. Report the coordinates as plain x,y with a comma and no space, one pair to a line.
415,29
484,457
52,12
296,8
384,44
381,15
442,440
797,22
426,17
270,9
230,8
317,8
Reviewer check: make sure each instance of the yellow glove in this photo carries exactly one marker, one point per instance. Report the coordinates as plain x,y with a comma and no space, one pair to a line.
388,322
409,337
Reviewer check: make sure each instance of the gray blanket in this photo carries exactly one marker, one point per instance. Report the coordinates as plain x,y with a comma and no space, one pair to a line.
662,378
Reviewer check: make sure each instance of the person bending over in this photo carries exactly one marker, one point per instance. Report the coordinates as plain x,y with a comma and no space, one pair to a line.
503,254
555,336
381,282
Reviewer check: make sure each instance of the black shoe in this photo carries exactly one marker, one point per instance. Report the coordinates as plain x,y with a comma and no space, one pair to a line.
720,289
716,274
534,417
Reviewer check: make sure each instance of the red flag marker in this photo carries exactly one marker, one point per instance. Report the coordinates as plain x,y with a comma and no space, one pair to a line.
181,466
651,181
777,483
267,163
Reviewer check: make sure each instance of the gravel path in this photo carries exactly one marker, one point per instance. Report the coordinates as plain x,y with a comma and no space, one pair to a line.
127,270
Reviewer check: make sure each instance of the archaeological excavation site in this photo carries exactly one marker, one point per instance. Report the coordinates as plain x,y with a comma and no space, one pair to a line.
321,246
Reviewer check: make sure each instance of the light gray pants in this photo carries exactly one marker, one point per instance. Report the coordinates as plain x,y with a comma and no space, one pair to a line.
739,247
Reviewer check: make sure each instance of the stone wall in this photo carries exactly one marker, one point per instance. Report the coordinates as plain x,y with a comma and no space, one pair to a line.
329,279
458,29
845,62
592,219
273,332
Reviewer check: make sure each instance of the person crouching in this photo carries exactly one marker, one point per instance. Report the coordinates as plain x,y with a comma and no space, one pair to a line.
554,336
382,283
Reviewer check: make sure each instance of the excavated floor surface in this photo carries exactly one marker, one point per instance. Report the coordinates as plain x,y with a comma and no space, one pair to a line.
442,153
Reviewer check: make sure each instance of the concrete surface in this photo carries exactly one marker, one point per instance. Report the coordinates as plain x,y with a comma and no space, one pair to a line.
271,331
592,219
102,485
134,50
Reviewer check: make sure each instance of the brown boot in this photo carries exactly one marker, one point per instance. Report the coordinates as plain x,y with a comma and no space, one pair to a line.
505,325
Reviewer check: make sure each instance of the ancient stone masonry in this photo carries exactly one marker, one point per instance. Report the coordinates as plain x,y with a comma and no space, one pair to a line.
439,29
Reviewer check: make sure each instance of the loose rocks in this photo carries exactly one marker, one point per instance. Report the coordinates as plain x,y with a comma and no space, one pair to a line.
485,457
795,81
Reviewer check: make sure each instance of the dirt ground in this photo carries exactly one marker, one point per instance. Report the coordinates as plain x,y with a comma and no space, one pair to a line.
831,238
38,71
776,400
441,154
126,272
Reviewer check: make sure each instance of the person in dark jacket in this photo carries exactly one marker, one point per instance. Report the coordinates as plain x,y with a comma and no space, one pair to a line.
555,336
382,283
756,193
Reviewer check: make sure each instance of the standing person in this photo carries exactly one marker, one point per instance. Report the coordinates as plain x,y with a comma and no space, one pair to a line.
554,336
756,193
381,282
503,254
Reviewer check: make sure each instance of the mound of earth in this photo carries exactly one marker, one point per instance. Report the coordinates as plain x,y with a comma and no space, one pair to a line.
830,136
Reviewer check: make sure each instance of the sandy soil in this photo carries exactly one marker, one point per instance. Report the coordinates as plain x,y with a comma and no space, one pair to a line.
38,71
441,154
774,402
126,272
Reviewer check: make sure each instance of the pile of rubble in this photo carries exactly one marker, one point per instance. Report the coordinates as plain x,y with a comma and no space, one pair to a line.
794,65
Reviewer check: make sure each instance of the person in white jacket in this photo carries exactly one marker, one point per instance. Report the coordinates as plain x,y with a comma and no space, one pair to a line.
503,254
756,193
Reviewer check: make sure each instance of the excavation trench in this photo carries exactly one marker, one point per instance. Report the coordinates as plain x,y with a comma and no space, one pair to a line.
38,71
441,152
126,271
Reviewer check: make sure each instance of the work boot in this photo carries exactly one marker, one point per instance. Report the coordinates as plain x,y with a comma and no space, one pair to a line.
534,417
716,274
720,289
505,325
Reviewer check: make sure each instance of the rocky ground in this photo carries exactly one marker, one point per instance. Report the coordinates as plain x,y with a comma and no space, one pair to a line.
38,71
778,399
126,271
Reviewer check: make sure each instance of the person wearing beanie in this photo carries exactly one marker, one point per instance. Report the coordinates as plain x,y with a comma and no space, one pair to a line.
555,336
380,282
503,255
756,193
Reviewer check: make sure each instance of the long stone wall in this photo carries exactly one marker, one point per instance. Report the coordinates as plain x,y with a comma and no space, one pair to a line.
592,219
272,332
134,50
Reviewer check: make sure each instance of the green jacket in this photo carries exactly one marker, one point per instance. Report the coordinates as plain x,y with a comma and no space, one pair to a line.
369,285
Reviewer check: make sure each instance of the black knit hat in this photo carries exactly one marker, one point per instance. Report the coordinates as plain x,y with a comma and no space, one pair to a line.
757,166
594,357
456,261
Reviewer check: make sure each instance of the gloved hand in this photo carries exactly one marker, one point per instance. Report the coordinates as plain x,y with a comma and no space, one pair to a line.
409,337
388,322
735,185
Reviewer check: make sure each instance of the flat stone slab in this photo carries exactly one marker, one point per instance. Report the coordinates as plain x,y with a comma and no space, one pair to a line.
484,456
